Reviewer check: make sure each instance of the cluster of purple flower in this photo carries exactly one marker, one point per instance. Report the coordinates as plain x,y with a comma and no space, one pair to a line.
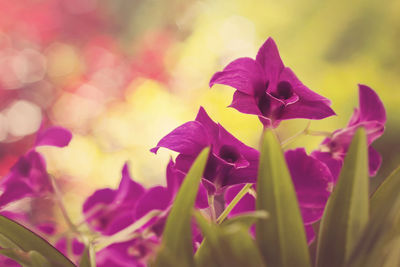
264,87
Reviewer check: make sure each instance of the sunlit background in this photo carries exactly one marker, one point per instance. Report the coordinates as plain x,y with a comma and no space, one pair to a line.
121,74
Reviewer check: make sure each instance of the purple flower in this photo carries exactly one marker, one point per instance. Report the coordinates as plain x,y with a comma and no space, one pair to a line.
268,89
230,161
28,177
372,116
135,252
108,211
312,181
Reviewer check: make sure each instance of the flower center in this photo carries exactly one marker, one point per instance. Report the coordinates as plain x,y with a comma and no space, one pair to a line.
229,153
284,91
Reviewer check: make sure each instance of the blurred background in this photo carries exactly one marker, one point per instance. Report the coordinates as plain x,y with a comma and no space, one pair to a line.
121,74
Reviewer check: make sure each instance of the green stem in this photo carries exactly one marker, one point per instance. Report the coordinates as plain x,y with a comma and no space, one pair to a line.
233,203
211,206
126,233
60,201
318,133
286,142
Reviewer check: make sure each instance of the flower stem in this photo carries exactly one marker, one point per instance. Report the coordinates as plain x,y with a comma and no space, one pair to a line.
60,201
286,142
213,214
318,133
233,203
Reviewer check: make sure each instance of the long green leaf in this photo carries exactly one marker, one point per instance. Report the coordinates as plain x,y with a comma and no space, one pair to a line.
38,260
281,238
227,245
383,228
346,213
27,241
177,235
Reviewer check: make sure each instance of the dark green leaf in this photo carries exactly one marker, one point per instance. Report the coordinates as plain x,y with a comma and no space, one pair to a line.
383,230
38,260
227,246
346,213
85,258
177,236
27,241
247,219
281,238
18,255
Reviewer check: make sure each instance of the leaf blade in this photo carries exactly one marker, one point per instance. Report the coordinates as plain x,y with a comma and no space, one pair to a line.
281,238
177,236
346,213
27,241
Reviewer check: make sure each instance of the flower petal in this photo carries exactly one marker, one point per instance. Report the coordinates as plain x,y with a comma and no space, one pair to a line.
189,138
14,190
245,103
334,165
270,60
53,136
311,178
310,234
243,74
246,204
374,161
128,190
371,107
156,198
210,127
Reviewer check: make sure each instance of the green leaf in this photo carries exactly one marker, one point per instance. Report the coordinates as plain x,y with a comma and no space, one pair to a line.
177,235
227,245
38,260
247,219
86,259
18,255
281,238
346,213
27,241
383,229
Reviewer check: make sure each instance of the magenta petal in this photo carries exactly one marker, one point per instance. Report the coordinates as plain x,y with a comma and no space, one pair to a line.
156,198
243,74
128,189
300,89
189,138
269,58
209,186
53,136
374,161
312,179
334,165
101,196
310,234
311,215
307,110
14,190
246,204
210,127
202,197
371,107
245,103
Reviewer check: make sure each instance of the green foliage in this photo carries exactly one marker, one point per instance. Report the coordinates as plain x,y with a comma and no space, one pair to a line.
354,231
382,233
281,238
176,247
346,213
28,248
228,244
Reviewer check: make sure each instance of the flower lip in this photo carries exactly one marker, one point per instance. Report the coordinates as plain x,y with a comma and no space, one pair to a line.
229,153
285,93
